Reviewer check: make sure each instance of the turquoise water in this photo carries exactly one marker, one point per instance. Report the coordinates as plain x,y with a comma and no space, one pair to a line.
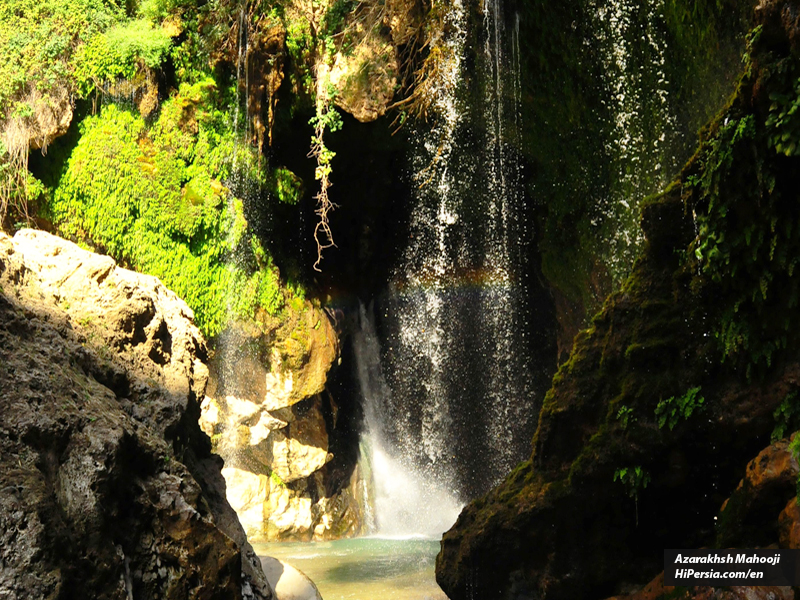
364,568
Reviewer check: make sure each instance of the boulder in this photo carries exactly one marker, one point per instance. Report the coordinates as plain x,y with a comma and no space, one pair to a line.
303,510
289,583
750,516
108,488
789,525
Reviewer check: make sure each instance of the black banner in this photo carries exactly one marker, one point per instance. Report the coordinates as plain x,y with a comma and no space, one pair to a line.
731,567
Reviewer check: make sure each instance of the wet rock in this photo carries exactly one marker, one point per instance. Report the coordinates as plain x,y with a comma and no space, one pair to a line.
303,510
52,115
108,488
789,525
608,479
750,515
277,364
271,418
366,78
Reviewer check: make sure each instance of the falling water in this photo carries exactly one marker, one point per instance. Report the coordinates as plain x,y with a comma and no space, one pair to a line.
406,503
461,408
632,51
507,328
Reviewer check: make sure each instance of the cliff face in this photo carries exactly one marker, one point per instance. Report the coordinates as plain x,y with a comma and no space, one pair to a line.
673,388
271,417
108,487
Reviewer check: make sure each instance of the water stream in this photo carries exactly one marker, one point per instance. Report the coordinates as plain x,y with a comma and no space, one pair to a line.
406,501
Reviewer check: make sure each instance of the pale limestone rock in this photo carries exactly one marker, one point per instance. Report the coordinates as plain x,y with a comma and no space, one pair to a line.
279,386
106,367
366,78
120,310
289,515
247,493
266,424
239,410
299,449
209,415
271,510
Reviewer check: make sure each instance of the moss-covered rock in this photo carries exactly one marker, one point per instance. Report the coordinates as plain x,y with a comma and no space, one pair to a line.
613,93
648,426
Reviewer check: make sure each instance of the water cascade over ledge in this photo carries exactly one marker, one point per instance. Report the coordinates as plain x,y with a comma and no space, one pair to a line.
455,322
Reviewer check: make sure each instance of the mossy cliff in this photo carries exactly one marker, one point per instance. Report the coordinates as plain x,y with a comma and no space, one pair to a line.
612,95
649,425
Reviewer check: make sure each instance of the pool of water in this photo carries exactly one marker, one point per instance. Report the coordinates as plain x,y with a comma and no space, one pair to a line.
364,568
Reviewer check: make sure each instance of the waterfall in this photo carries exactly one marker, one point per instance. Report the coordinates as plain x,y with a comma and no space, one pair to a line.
404,502
632,49
504,186
456,351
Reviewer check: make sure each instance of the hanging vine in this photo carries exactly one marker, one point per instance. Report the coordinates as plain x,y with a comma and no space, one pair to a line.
326,118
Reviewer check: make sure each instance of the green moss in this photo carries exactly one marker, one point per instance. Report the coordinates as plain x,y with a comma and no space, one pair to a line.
37,41
118,52
787,417
153,198
590,193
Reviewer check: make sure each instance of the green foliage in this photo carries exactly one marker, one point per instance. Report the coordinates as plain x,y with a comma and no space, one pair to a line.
287,186
787,417
748,241
672,410
334,17
154,199
262,290
625,416
588,236
794,448
634,479
118,53
327,118
37,40
784,121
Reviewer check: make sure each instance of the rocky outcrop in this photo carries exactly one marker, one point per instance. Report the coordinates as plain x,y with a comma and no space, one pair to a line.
108,488
270,417
749,518
579,518
648,426
50,118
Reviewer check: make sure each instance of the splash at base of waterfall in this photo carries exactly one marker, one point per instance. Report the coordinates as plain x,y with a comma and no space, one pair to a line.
407,505
405,500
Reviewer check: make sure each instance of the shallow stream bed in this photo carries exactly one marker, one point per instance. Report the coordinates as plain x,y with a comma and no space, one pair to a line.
364,568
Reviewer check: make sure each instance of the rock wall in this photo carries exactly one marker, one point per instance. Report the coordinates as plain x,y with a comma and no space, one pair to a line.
108,488
270,417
